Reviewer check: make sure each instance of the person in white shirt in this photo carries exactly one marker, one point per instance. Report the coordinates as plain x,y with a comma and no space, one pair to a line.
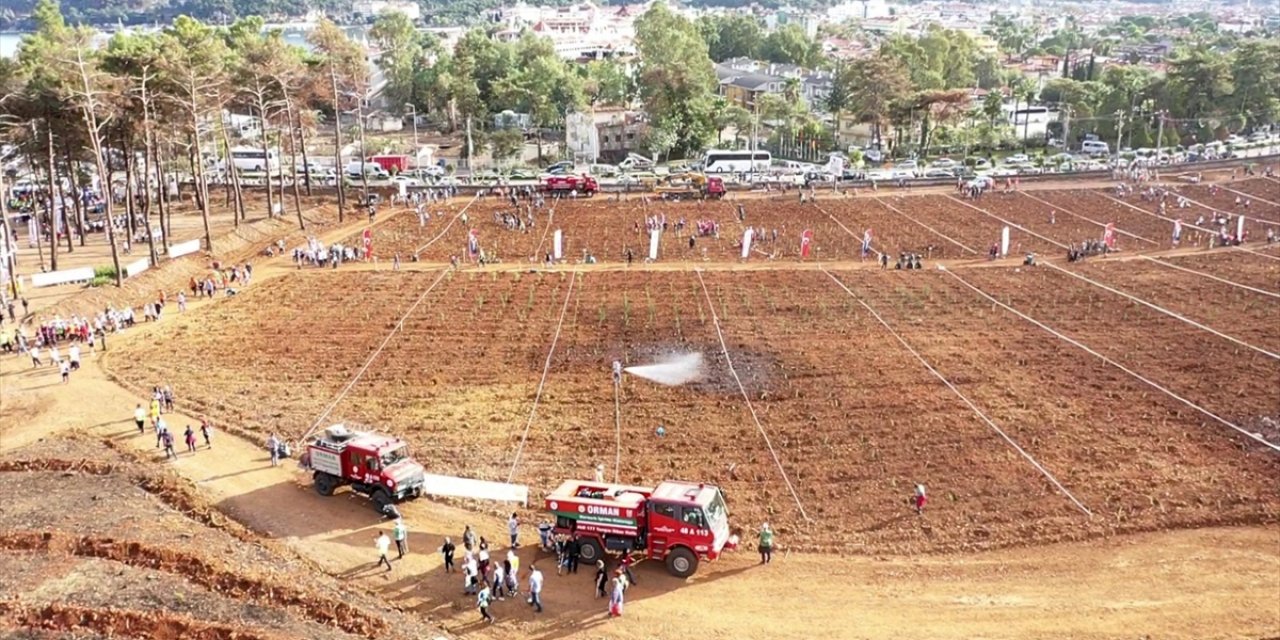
74,355
64,368
383,543
535,588
513,528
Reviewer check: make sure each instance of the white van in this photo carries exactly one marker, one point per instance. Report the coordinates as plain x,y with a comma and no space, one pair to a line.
254,159
1095,148
373,169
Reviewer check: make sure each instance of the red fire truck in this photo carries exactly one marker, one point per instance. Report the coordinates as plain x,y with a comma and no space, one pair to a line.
679,523
375,465
584,184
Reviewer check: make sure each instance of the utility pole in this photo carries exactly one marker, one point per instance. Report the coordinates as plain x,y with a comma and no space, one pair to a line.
414,111
1119,133
1159,134
1066,128
470,149
364,175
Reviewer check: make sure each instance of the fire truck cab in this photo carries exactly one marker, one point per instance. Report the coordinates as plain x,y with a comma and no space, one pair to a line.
375,465
678,523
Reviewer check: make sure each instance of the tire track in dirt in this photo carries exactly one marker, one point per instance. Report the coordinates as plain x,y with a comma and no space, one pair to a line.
201,572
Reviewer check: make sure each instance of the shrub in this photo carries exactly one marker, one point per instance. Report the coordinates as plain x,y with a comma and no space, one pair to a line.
104,272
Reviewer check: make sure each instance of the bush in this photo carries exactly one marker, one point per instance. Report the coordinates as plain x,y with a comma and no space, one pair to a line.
104,272
103,281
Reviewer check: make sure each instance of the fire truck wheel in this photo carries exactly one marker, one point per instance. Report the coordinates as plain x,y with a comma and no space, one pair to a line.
681,563
324,483
589,550
380,500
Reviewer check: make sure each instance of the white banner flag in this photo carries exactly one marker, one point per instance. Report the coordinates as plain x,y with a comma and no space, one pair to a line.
1240,229
557,244
653,243
32,233
1004,241
746,242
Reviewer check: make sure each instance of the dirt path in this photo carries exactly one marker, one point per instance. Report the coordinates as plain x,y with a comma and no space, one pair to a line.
1185,584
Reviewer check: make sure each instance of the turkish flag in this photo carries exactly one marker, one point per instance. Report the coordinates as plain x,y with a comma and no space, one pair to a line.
368,243
806,239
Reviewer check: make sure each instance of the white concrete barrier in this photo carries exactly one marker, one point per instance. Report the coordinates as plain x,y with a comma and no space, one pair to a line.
52,278
134,268
184,248
436,485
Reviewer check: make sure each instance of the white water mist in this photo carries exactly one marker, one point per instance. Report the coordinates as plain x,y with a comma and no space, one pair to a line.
671,371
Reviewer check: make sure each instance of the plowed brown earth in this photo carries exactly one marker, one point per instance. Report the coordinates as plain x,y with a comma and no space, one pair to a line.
1237,266
854,420
606,229
1097,206
1230,381
895,229
1255,192
1240,313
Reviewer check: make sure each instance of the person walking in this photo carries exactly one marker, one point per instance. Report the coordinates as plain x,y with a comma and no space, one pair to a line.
602,579
468,538
35,357
154,411
64,368
140,417
190,436
499,581
919,499
766,544
207,432
513,528
483,600
447,550
160,428
401,534
535,587
469,571
616,598
273,445
73,354
383,544
167,438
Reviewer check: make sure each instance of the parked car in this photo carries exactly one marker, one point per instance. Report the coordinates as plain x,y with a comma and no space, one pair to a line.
522,174
943,163
407,181
939,173
1017,158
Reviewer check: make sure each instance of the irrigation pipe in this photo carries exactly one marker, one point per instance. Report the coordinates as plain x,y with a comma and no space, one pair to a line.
1156,215
533,411
1011,224
1087,219
1165,311
537,253
1087,349
1213,277
931,229
1231,213
906,345
373,356
1258,253
1247,195
447,226
724,348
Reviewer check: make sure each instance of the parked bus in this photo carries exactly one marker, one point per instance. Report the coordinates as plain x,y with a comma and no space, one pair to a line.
250,159
721,161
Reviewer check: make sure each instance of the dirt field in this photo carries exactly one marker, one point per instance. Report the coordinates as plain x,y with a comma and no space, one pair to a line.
1122,484
824,377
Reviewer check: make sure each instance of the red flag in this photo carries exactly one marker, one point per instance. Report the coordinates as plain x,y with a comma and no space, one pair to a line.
806,239
368,243
1109,236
